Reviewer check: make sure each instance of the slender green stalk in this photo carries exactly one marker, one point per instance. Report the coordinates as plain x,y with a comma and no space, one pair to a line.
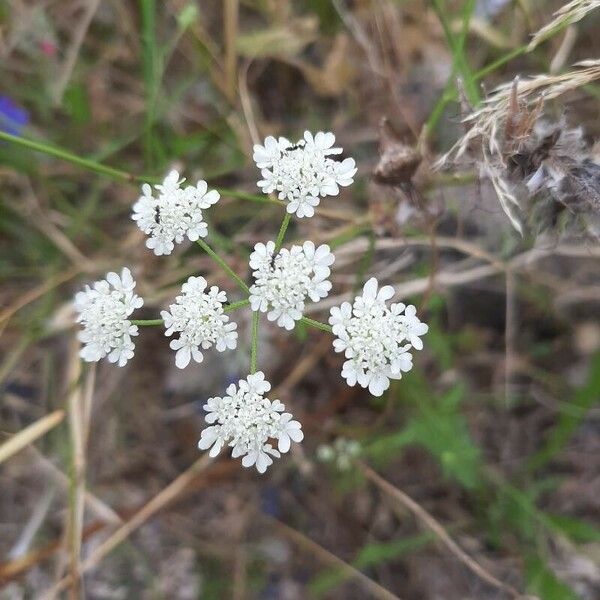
91,165
223,265
235,305
456,45
149,54
147,322
254,344
118,174
316,324
251,197
450,94
284,225
500,62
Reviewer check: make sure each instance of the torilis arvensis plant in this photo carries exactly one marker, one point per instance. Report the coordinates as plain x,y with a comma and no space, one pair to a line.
376,336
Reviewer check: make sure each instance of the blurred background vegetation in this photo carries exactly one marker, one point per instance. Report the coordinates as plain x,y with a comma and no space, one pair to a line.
495,433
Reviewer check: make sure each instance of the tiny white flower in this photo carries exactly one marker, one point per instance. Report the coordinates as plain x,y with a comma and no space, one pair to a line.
176,212
302,173
342,452
284,281
104,310
199,318
375,338
245,420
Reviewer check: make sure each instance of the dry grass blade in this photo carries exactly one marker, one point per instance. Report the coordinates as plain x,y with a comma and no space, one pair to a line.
77,495
30,434
376,590
489,125
570,13
505,196
157,503
73,51
38,292
104,512
230,26
437,529
486,123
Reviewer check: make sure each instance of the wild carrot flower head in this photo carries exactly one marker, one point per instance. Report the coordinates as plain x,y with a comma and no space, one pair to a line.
246,421
174,214
304,172
375,338
341,453
198,317
104,311
284,281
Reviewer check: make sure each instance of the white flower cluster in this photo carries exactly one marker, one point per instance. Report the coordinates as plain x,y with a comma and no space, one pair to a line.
246,421
198,317
104,312
303,173
175,214
285,280
376,339
341,453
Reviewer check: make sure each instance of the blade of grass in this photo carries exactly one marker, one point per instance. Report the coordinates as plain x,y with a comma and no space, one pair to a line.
456,43
157,503
376,590
149,64
30,434
117,174
434,526
77,488
254,342
584,399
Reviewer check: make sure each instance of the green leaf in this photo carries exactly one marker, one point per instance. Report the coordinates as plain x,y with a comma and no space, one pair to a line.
77,104
370,555
442,429
541,581
577,530
583,400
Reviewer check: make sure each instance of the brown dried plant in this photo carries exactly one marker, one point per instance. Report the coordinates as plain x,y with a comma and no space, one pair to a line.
512,144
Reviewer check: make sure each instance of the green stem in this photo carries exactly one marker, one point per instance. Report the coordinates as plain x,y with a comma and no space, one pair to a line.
223,265
118,174
254,346
91,165
456,45
316,324
284,225
148,18
235,305
247,196
147,322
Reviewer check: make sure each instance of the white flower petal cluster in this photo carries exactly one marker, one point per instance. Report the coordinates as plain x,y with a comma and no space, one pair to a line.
246,421
176,213
285,280
341,453
375,338
304,172
104,310
199,318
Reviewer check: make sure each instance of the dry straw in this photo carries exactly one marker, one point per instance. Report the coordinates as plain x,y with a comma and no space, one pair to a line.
568,14
487,125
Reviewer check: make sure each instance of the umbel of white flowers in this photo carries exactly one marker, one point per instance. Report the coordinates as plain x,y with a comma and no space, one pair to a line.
103,312
304,172
176,213
245,420
375,338
198,317
285,280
